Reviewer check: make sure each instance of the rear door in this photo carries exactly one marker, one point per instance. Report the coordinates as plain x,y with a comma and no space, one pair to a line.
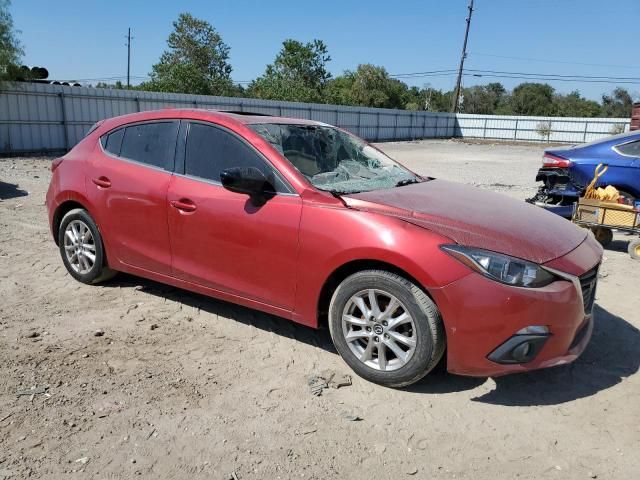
127,181
221,239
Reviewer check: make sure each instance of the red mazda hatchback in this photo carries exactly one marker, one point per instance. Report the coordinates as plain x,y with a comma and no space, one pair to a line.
306,221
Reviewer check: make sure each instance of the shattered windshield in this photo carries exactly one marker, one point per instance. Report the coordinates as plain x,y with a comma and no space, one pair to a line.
333,160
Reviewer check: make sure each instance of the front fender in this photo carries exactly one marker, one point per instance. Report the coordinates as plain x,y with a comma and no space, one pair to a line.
331,237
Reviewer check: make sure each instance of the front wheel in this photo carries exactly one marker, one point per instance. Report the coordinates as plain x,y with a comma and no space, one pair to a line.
386,328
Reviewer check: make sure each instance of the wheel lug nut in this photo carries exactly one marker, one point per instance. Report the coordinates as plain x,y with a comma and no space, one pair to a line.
376,339
385,323
368,329
386,335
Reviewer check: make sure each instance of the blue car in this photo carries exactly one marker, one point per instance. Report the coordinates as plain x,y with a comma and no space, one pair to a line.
567,171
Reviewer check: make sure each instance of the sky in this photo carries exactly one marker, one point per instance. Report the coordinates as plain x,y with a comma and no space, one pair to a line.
86,39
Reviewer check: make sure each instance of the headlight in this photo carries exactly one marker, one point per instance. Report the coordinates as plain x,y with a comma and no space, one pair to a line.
502,268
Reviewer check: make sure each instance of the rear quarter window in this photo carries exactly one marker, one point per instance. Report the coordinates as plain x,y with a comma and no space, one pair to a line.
150,143
113,141
631,149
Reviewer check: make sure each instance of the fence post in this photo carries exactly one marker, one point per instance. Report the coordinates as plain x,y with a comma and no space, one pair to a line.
64,121
395,128
337,114
435,133
378,127
515,131
484,130
9,148
413,123
359,123
586,127
137,103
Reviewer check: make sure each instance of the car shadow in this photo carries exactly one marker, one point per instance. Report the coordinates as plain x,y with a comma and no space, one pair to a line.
618,245
11,190
319,338
612,354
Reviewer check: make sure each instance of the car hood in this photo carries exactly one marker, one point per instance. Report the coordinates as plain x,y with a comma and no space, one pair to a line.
474,217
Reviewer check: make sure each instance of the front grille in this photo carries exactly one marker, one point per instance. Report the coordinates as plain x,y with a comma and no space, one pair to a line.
588,283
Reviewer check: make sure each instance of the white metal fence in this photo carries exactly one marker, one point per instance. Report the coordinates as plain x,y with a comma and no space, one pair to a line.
44,118
561,129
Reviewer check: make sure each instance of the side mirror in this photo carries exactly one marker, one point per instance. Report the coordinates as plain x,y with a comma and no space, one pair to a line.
247,180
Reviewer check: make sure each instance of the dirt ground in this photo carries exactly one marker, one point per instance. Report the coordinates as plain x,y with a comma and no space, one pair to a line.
183,386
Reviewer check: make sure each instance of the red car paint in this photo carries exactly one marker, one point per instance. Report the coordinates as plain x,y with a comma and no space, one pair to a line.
280,256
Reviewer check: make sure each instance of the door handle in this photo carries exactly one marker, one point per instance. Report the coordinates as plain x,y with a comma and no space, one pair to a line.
102,182
184,205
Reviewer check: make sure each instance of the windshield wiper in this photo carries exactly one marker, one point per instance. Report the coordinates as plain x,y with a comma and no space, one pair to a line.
407,181
336,193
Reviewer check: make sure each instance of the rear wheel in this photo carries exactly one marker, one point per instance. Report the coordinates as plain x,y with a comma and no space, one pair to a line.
634,249
386,328
81,248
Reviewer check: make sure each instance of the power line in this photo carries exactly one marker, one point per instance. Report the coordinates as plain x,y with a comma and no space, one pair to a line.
553,79
566,62
536,74
607,77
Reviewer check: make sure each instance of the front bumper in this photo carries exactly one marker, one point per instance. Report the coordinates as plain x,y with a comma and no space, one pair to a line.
480,315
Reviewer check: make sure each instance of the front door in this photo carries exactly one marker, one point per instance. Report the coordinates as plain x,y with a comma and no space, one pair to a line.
127,182
225,240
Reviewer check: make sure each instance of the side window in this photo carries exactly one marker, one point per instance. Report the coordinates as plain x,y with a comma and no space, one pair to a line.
151,143
632,149
210,150
113,141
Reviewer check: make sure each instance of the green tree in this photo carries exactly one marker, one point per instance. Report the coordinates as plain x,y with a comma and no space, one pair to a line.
368,86
298,73
482,99
118,85
618,104
197,61
532,99
437,100
575,105
10,48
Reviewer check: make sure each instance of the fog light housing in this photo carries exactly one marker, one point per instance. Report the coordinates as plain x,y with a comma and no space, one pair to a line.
521,347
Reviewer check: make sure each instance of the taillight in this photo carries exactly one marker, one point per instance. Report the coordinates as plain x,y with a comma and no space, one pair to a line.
550,160
56,163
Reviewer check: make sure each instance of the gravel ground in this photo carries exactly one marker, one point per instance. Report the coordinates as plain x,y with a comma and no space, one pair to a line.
142,378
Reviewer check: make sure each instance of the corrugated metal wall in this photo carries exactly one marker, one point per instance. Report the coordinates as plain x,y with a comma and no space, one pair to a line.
48,118
563,129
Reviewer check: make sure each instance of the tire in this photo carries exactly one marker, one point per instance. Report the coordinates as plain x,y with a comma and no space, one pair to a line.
370,355
634,249
75,225
603,235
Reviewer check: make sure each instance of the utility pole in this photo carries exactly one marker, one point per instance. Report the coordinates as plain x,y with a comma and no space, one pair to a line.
129,59
456,94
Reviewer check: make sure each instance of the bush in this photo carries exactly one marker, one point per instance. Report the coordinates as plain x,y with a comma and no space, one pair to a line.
544,129
617,128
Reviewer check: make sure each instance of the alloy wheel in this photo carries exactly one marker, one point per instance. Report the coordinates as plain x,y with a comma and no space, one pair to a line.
379,330
79,247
